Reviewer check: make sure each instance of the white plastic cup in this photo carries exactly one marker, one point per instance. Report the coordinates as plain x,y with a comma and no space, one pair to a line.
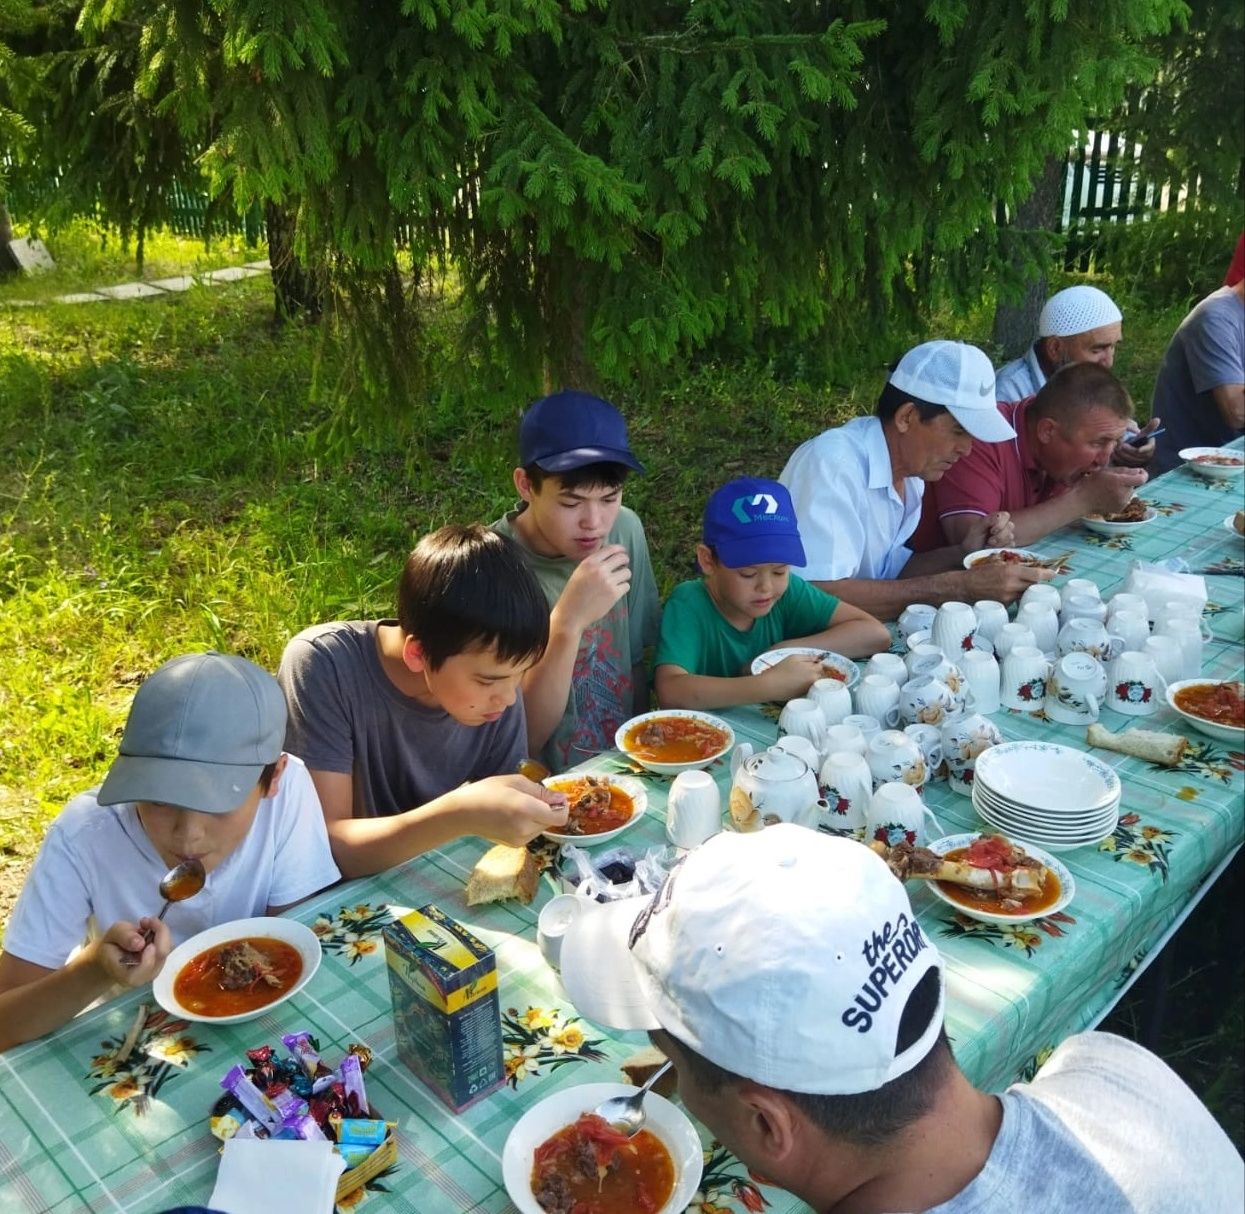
693,809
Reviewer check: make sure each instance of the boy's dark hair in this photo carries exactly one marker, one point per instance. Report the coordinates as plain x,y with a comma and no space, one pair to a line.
589,476
893,398
465,586
1073,390
867,1119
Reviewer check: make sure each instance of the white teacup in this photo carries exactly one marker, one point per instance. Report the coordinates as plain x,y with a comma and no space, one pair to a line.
1183,609
1072,696
1041,592
923,658
915,639
832,698
896,812
1124,601
926,700
954,626
1083,635
1134,685
888,665
892,755
878,696
1132,627
802,748
963,740
991,616
803,718
846,787
694,807
553,922
983,676
845,737
1024,675
916,617
1043,621
1084,607
1186,630
1166,654
929,739
1011,635
1075,586
867,725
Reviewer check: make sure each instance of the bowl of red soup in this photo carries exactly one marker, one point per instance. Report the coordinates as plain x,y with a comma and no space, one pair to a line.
237,971
1214,463
599,807
1214,706
674,740
559,1155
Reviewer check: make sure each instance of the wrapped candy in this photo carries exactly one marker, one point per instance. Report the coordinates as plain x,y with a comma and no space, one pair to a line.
239,1085
359,1131
351,1073
354,1154
300,1047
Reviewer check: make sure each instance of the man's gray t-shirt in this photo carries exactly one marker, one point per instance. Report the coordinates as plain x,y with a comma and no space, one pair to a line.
1106,1128
1206,352
347,716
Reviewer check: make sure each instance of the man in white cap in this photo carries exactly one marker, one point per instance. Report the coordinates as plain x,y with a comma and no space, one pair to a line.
857,489
787,978
1079,324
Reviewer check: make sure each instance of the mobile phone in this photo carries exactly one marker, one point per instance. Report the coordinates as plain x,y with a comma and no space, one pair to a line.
1139,440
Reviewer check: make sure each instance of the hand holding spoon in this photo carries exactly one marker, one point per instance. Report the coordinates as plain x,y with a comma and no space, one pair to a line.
176,885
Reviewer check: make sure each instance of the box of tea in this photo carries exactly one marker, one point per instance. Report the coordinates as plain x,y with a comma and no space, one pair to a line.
446,1013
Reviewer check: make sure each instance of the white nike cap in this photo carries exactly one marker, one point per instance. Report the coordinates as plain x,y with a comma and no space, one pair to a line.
1077,310
959,377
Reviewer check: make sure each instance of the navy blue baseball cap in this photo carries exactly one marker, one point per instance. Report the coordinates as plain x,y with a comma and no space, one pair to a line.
571,429
752,522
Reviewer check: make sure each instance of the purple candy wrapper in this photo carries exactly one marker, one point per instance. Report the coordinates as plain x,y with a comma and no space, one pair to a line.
304,1126
238,1084
289,1104
299,1045
352,1080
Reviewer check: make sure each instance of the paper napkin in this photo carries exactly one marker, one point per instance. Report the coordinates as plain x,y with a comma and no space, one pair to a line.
258,1177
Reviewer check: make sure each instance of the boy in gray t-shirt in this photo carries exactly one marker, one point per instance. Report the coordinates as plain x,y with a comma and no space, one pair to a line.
1200,391
395,719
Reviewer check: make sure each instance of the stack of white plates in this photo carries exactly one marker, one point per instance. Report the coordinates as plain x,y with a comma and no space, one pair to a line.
1044,793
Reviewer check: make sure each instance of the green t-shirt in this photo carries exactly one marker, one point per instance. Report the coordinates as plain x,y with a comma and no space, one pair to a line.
696,637
602,695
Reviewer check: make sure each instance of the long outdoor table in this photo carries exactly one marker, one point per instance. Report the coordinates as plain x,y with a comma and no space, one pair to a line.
79,1131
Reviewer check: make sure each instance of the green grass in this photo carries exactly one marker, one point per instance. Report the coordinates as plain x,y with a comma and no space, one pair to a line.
163,488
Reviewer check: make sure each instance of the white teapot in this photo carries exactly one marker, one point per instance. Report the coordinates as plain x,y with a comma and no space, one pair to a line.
772,786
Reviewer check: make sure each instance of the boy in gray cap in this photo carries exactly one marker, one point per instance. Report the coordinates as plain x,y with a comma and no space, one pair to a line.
201,775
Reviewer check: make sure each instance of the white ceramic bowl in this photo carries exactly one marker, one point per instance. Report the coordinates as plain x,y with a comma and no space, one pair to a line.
543,1120
1214,472
1231,529
288,930
974,557
1067,886
673,769
1046,775
844,668
633,788
1102,526
1224,733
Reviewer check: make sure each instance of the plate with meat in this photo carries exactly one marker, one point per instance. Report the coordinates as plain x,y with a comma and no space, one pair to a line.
833,665
674,740
601,807
987,877
1214,463
237,971
1214,706
1136,514
560,1157
1013,556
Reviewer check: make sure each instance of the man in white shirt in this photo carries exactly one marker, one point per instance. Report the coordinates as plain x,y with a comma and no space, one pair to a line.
857,489
200,777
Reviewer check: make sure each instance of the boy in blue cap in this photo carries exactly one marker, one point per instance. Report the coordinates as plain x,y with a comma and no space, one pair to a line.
201,775
590,556
748,602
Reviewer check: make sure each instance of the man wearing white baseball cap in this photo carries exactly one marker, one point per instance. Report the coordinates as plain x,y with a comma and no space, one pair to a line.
1079,324
857,488
786,976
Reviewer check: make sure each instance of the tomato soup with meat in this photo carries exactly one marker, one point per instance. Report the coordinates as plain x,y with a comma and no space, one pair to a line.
1219,703
590,1168
674,740
997,902
595,804
238,976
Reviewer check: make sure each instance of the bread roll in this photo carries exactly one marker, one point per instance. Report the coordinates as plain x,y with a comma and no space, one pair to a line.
501,873
1148,744
640,1065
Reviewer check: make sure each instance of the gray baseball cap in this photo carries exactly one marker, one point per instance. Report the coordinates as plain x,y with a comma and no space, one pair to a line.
200,731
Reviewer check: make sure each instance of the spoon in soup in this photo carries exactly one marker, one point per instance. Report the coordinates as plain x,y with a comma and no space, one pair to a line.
626,1113
178,884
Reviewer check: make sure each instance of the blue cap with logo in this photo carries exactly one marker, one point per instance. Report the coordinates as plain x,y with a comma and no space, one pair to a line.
571,429
750,521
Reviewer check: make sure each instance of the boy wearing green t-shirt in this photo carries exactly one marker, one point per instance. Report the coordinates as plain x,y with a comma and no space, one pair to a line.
748,602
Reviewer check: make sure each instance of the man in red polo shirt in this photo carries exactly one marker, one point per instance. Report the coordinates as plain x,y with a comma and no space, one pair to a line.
1056,469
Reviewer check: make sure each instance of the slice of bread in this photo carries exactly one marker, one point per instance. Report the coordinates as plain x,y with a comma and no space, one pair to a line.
640,1065
501,873
1148,744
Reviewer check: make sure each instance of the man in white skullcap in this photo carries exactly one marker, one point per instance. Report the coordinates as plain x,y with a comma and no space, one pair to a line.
1079,324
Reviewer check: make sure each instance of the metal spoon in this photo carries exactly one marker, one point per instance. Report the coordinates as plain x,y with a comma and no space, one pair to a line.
625,1113
178,884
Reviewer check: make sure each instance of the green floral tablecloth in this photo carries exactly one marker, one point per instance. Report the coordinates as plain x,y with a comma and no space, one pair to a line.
79,1131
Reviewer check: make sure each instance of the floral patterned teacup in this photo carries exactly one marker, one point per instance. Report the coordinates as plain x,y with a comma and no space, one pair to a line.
1134,685
963,741
846,786
896,813
892,756
926,700
1072,692
1023,683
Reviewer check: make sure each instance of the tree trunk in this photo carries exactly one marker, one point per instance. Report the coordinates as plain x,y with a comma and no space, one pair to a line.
297,290
6,224
1015,323
564,317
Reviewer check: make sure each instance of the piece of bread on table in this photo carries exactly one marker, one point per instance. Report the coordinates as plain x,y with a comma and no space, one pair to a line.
1148,744
503,872
640,1065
